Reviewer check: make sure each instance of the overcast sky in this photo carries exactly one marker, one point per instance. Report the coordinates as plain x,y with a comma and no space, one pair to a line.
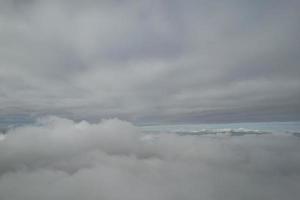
150,61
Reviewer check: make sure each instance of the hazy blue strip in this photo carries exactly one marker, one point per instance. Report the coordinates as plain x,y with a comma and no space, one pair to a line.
262,126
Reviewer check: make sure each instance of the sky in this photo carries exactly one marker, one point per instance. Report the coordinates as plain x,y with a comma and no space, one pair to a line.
158,61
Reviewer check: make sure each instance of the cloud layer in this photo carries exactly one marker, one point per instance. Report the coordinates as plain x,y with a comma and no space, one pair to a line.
59,159
149,61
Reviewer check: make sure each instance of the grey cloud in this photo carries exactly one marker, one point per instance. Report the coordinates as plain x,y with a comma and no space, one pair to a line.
150,60
59,159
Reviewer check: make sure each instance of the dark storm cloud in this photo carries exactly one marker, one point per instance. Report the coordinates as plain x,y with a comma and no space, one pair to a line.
151,60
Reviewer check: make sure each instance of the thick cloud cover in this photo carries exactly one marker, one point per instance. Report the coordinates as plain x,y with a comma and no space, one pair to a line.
59,159
150,60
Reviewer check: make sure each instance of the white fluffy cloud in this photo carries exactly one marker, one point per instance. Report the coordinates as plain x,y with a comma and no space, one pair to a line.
61,159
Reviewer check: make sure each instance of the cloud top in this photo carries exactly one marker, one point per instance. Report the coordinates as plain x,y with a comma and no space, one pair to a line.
58,158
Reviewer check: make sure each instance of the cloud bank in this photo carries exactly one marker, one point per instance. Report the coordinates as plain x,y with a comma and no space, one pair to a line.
150,61
61,159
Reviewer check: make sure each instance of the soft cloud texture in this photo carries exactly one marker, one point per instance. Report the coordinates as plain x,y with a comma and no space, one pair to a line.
150,61
59,159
